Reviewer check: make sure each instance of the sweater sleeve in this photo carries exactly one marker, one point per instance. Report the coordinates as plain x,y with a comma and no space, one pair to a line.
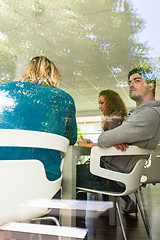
139,126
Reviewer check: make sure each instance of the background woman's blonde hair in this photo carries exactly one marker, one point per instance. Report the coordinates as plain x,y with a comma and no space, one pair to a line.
115,107
113,102
41,70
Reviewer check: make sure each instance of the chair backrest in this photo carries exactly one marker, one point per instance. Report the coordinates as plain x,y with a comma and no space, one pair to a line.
151,172
36,139
130,180
25,180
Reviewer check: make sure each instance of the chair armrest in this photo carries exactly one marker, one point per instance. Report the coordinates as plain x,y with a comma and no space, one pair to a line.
97,153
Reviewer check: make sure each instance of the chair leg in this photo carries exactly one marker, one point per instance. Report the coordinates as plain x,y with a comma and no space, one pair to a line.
144,207
120,219
54,219
112,212
146,224
90,219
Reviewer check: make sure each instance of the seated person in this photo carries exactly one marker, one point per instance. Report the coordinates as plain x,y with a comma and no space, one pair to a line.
141,127
34,102
114,111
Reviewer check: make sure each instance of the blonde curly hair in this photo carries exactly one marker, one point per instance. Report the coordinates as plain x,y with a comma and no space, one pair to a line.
41,70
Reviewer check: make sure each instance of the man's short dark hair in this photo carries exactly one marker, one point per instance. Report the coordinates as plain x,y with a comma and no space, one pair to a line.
145,73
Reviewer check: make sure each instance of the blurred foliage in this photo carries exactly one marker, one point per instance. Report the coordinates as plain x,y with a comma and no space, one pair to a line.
79,133
91,42
96,29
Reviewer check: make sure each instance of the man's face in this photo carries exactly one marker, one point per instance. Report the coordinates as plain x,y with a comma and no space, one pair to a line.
138,87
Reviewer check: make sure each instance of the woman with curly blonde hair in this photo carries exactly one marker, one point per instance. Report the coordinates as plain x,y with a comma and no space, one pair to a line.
41,70
34,102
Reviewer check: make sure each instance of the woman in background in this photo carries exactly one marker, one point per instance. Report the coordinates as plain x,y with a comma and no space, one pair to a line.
114,112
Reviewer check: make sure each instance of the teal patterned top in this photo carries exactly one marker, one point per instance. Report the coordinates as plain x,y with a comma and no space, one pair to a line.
30,106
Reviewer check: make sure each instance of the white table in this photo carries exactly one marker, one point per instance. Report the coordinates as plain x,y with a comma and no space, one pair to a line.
69,170
69,183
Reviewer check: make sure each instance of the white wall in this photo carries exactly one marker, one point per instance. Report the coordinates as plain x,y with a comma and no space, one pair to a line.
90,127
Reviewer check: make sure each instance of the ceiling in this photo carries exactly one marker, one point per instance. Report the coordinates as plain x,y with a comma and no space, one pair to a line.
92,42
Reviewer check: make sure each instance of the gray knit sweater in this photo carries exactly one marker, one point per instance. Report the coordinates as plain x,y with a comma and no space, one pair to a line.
141,128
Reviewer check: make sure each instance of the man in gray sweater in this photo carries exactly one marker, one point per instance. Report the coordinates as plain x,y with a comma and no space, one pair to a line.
141,126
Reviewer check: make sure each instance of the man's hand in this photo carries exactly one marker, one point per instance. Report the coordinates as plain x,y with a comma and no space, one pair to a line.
123,146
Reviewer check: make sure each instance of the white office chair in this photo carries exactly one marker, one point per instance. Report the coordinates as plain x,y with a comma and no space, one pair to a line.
151,170
130,180
24,180
150,176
